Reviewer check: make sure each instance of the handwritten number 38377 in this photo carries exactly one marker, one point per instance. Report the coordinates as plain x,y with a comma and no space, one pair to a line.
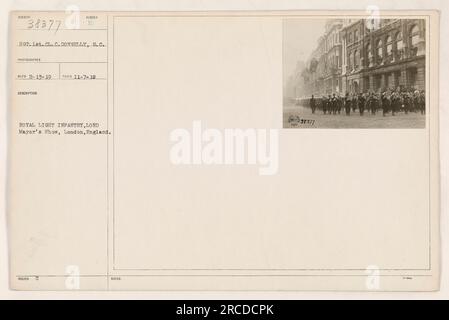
41,24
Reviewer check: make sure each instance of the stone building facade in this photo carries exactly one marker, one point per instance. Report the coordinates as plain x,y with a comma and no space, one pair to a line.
324,68
364,55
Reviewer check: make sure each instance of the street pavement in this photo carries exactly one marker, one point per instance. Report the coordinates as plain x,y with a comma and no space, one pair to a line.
301,117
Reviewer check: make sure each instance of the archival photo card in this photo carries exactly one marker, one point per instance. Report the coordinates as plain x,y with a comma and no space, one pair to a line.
162,151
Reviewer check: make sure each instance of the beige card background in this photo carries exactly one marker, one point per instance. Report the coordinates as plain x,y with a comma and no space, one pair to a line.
299,220
333,186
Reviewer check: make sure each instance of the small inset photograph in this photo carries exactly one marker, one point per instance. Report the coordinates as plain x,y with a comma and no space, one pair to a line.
354,73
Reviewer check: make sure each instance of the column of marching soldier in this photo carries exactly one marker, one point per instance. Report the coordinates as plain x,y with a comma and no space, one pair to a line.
388,101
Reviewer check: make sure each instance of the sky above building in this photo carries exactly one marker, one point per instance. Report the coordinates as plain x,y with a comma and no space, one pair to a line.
300,40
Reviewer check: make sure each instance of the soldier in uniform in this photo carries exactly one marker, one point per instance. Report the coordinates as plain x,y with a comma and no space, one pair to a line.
406,102
347,103
312,104
385,102
324,104
339,103
354,99
422,102
395,103
361,103
334,104
374,103
416,104
369,101
329,104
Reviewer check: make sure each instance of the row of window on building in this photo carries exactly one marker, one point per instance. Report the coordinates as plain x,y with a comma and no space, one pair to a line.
389,49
